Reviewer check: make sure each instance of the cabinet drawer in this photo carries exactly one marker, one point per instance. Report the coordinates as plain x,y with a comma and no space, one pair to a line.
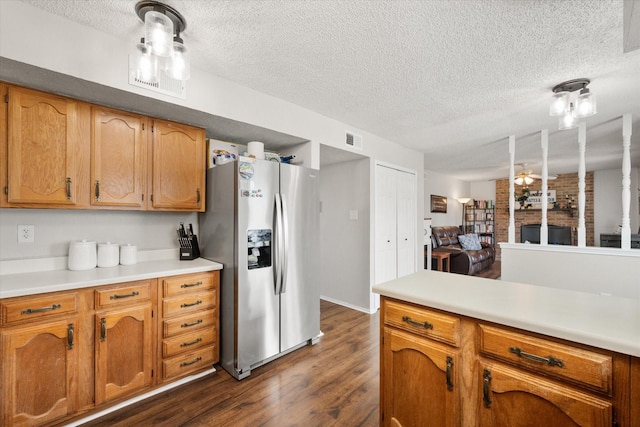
418,320
127,293
188,303
566,362
189,362
21,309
191,322
188,283
189,341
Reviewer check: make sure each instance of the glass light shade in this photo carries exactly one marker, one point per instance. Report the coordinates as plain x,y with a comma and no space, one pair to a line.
559,104
146,64
464,200
523,180
568,121
585,104
158,33
179,67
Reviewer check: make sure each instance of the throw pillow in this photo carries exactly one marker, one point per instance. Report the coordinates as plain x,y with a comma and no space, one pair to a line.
470,242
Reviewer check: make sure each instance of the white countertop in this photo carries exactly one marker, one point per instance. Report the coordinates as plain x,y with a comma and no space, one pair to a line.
609,323
13,285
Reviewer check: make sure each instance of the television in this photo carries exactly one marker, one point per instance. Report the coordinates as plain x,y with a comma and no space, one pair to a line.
556,234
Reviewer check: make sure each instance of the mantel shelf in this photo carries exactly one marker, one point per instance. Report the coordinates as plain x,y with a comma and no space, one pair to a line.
548,210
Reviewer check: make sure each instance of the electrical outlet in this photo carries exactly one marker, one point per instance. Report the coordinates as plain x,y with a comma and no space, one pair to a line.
26,234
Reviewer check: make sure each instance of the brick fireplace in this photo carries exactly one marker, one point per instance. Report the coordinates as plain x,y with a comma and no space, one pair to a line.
565,185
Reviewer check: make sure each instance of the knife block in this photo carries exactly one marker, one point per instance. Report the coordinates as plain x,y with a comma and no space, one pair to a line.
189,248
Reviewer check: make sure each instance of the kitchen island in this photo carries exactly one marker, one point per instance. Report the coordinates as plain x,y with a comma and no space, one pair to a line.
460,350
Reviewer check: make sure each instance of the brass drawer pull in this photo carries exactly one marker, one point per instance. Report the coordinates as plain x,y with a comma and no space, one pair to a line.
70,336
190,285
449,368
549,360
410,321
68,182
196,360
103,329
40,310
132,294
486,380
97,190
186,325
185,305
187,344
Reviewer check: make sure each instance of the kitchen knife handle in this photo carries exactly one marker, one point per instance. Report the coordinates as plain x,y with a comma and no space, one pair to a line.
97,190
68,181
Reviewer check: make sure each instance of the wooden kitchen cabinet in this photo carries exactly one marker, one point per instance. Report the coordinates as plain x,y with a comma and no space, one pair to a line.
39,349
502,376
44,150
419,376
178,167
123,339
118,158
189,323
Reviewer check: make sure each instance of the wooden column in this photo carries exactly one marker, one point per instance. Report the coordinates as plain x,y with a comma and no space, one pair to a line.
544,142
582,142
512,200
626,181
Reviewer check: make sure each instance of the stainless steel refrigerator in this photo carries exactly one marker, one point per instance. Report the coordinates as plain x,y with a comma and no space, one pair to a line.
261,223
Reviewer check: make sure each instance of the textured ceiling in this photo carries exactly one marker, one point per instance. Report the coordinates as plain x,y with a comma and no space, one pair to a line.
452,79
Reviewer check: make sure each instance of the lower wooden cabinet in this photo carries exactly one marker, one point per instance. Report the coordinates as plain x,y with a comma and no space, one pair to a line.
443,369
49,344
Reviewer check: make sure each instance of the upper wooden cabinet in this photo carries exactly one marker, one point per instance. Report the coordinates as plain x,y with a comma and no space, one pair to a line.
60,153
118,158
178,176
44,144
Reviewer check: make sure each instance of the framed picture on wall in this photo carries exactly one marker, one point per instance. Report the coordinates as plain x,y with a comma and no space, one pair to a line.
438,204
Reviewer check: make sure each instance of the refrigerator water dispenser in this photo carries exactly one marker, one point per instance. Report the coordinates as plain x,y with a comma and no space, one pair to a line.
259,248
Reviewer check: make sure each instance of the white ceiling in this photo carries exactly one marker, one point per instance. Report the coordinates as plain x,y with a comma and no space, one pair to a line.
452,79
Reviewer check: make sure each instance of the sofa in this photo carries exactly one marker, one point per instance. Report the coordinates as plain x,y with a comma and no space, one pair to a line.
470,262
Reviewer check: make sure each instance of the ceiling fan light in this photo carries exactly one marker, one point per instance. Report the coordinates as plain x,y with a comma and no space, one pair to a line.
159,33
559,104
179,67
585,104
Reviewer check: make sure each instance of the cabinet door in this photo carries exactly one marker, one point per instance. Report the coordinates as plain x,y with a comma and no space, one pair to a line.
39,364
43,148
179,164
419,382
123,352
514,398
118,161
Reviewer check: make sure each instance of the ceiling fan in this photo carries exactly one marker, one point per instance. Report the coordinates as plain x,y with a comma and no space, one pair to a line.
526,177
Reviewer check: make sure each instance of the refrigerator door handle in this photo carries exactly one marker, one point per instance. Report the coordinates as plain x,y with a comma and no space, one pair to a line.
285,243
279,226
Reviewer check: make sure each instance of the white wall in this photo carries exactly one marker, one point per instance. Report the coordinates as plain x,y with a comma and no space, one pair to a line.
483,190
344,246
607,197
452,189
34,37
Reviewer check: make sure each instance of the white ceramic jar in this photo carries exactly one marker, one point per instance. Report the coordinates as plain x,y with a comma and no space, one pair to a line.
128,254
82,255
108,254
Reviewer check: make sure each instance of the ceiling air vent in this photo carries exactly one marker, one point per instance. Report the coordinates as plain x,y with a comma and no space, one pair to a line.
354,141
165,85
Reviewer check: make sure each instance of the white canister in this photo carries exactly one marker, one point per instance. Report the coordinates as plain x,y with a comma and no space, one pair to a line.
256,149
82,255
108,254
128,254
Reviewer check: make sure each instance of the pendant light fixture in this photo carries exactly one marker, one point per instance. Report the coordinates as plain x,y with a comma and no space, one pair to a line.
162,50
568,110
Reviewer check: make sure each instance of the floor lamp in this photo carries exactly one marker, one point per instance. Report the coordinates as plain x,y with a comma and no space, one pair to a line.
463,201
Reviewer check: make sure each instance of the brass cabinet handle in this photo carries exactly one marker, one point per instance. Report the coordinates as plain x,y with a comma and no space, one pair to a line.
410,321
70,336
132,294
549,360
486,397
68,181
40,310
196,360
197,195
103,329
190,285
190,304
449,373
187,344
186,325
97,190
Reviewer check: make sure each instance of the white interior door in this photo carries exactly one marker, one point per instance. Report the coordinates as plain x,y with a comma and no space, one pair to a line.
406,222
385,225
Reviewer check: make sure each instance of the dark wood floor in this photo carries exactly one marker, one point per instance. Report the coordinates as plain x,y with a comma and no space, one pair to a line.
334,382
491,273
